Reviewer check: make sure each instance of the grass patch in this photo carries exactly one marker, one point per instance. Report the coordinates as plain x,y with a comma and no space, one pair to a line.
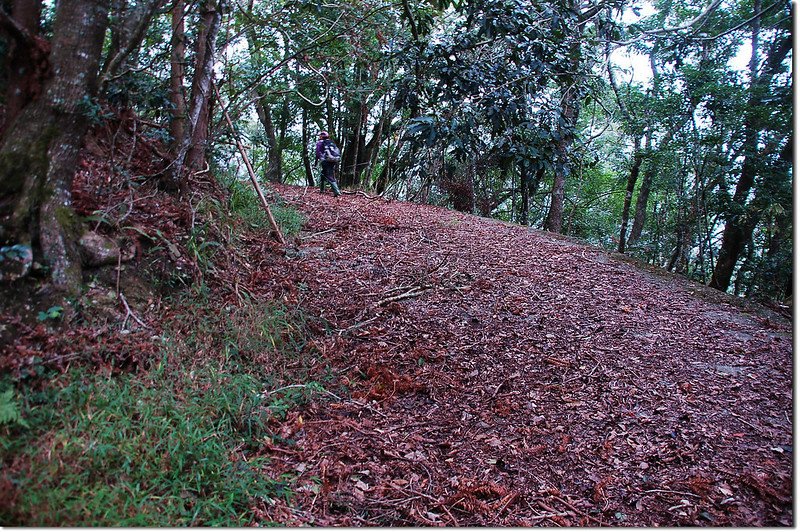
179,443
175,445
245,204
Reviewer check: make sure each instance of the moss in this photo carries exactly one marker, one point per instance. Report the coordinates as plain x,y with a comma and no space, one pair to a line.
69,221
14,169
23,167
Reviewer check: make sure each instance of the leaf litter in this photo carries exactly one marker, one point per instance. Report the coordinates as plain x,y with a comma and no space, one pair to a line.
484,374
502,376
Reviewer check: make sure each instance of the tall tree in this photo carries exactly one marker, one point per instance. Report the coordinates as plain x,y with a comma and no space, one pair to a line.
26,61
190,149
177,97
744,214
38,157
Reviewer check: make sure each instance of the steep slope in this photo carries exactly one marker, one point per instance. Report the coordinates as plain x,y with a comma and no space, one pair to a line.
505,376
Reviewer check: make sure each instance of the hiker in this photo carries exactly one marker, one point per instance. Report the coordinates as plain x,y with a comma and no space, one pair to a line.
329,154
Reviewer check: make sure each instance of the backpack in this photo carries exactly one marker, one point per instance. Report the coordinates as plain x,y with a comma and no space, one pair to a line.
331,153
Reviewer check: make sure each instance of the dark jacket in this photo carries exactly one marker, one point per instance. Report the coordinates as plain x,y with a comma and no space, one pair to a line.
320,148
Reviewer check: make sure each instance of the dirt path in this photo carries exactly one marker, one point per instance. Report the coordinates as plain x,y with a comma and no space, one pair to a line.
505,377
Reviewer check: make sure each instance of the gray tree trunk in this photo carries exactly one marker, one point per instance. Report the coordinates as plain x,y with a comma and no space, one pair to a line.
38,159
194,135
177,124
26,57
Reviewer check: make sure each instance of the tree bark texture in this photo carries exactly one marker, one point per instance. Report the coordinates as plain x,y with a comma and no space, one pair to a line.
39,156
524,188
274,170
192,145
354,143
640,212
569,113
306,157
633,177
27,65
177,96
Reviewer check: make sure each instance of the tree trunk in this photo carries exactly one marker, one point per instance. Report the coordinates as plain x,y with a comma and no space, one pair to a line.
392,154
199,145
177,125
569,112
274,171
27,66
524,193
38,159
640,213
211,17
633,176
354,146
370,153
306,156
734,236
190,152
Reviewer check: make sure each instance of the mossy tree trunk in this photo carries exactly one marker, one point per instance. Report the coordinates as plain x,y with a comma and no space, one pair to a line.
177,123
40,153
190,149
26,65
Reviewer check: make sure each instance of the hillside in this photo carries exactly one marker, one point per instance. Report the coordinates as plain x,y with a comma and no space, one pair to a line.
508,377
180,348
395,364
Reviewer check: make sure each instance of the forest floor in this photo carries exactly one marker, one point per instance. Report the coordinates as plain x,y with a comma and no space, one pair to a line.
475,372
504,376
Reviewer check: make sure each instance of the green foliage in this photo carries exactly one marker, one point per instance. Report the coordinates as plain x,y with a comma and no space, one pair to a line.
200,249
177,445
92,109
282,400
245,204
53,313
9,410
151,451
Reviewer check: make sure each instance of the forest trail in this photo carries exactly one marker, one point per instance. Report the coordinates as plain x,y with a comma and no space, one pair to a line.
507,377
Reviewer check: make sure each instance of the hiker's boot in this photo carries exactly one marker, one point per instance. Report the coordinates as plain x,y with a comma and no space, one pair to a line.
336,191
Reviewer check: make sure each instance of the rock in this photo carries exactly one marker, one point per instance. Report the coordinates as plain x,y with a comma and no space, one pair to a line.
15,261
98,250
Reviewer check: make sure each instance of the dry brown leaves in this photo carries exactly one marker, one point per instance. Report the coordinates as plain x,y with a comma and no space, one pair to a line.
503,376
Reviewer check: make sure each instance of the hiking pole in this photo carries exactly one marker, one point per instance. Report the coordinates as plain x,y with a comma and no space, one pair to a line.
249,167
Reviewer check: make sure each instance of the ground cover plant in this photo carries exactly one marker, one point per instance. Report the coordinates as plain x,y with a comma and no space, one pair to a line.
127,422
556,290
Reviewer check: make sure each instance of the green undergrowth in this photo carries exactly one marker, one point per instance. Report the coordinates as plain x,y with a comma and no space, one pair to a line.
247,206
178,441
174,445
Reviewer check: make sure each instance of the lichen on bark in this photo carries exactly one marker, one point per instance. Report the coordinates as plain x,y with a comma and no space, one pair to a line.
40,152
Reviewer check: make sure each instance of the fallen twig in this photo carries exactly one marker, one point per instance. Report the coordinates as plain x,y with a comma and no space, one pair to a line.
675,492
362,193
358,325
130,314
447,511
497,388
571,507
552,514
414,292
740,418
318,234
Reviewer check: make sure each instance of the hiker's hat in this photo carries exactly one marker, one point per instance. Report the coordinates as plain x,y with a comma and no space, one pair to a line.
323,134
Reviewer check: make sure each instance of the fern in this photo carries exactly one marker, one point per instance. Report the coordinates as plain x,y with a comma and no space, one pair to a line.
9,410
